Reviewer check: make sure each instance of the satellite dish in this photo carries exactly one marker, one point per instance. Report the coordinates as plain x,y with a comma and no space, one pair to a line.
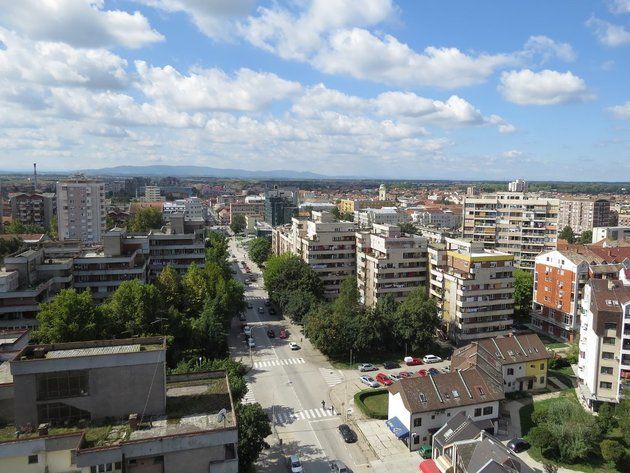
221,415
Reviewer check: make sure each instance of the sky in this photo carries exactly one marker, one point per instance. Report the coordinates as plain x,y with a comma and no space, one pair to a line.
416,89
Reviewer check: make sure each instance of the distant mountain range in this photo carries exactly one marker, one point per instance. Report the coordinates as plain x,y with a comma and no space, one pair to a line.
199,171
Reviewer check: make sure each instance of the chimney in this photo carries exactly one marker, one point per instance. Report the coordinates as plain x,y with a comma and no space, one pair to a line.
133,421
42,430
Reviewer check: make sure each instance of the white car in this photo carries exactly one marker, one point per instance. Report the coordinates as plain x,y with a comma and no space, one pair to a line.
371,382
247,331
294,346
431,359
295,464
367,367
251,343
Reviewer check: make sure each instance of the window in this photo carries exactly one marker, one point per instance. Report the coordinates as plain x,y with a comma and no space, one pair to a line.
510,371
477,411
487,410
605,385
417,422
542,380
606,370
57,412
416,440
609,340
62,384
230,451
433,416
610,326
542,366
608,355
33,459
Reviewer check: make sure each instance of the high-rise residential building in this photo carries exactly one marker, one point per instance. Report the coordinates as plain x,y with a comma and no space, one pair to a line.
474,289
280,206
192,208
382,192
519,185
33,209
81,209
559,280
523,225
153,194
583,214
389,262
327,246
604,347
365,218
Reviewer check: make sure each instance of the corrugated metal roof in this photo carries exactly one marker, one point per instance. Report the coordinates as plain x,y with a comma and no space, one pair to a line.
111,350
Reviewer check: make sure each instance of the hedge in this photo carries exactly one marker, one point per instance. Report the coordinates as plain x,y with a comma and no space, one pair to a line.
366,393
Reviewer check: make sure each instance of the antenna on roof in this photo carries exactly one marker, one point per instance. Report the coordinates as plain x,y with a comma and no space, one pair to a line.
221,416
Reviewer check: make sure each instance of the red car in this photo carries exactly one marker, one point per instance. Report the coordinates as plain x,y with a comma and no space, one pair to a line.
405,374
412,361
384,379
422,373
283,333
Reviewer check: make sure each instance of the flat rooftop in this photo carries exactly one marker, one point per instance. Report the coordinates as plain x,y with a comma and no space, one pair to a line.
90,348
195,403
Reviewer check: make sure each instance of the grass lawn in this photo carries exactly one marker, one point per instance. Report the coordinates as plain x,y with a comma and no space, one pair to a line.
551,343
567,378
377,403
373,402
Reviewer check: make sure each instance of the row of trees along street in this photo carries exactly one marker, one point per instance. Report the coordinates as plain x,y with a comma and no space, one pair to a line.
345,324
193,311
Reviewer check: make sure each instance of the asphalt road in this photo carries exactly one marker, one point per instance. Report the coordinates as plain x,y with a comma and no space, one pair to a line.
290,385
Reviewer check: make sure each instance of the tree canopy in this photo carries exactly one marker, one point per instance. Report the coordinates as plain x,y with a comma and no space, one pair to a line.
259,250
523,291
145,219
238,223
567,234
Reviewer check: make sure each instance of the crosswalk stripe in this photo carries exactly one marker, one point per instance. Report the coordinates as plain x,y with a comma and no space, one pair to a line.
308,414
282,362
332,377
249,396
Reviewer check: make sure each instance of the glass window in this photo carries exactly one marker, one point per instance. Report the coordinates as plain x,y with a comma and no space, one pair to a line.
606,370
510,371
230,451
417,422
416,440
609,340
542,380
62,384
608,355
605,385
610,326
33,459
487,410
477,411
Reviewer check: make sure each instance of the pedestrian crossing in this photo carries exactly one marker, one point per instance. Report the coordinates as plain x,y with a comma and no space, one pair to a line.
331,376
283,418
284,362
249,397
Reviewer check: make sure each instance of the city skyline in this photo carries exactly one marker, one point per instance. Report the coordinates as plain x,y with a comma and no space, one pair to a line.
382,90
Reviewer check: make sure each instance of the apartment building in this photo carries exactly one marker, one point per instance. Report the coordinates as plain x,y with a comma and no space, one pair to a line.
350,206
559,280
192,208
583,214
153,194
519,362
519,185
604,356
327,246
70,413
81,209
33,209
523,225
474,289
280,206
26,280
611,233
180,250
367,217
438,218
464,445
248,209
389,262
419,406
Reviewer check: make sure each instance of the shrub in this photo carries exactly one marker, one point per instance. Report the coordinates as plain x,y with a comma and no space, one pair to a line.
612,451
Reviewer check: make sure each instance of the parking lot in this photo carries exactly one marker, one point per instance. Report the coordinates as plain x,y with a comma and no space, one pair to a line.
395,373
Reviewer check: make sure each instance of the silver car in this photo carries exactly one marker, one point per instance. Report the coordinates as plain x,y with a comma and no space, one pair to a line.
367,367
371,382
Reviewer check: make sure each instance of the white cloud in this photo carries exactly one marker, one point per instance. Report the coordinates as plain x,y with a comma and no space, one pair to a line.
512,153
54,63
546,87
546,48
214,18
607,33
213,89
620,111
80,23
619,6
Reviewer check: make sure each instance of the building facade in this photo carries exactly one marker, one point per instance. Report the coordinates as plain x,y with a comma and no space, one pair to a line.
367,217
521,224
280,206
33,209
248,209
389,262
81,210
583,214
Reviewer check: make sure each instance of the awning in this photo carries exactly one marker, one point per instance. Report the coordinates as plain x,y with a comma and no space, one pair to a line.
429,466
397,428
625,374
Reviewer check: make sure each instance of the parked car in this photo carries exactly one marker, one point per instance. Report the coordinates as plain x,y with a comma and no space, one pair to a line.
294,346
405,374
249,306
390,365
272,311
446,369
431,359
412,361
433,371
367,367
251,343
395,377
267,303
337,466
422,373
283,333
347,433
369,381
518,445
295,464
271,333
261,310
384,379
247,330
242,317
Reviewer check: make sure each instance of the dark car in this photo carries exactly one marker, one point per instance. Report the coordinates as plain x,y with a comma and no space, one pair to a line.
433,371
242,317
271,333
267,303
390,365
272,311
518,445
347,433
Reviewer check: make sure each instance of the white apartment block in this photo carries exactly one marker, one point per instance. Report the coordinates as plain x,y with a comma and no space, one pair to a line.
523,225
389,262
81,210
519,185
438,218
383,216
611,233
192,208
327,246
583,214
604,358
152,194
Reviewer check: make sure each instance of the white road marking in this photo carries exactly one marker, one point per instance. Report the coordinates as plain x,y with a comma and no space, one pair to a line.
331,376
283,418
285,361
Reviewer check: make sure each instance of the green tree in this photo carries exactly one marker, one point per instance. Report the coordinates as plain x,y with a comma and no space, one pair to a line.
253,428
336,213
16,227
296,304
347,217
195,291
70,316
259,250
238,223
169,285
209,332
408,227
52,231
585,238
9,246
567,234
606,417
135,308
217,251
612,451
523,291
146,219
234,369
290,273
541,437
416,321
622,414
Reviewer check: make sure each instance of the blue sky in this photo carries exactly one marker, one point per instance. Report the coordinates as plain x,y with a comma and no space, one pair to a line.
374,88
